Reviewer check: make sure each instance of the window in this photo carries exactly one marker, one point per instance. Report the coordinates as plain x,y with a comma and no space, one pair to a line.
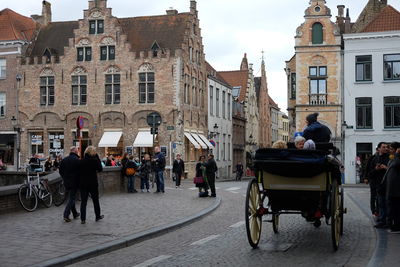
84,54
194,91
107,52
317,33
223,103
293,86
47,91
392,111
223,148
79,90
186,92
113,89
36,143
217,102
391,67
317,76
211,100
56,143
3,68
96,26
155,49
364,68
229,106
2,104
146,87
364,113
236,91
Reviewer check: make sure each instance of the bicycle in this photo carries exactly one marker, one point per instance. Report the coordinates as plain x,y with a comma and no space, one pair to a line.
29,193
60,194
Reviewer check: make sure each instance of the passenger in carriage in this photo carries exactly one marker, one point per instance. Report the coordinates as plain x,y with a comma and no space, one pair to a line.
316,131
280,144
309,145
299,142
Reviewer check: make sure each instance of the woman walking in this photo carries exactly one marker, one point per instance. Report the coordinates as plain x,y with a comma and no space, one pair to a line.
89,166
201,177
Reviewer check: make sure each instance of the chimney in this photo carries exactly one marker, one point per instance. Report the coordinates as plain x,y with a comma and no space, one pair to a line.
384,2
347,22
46,12
340,11
193,7
172,11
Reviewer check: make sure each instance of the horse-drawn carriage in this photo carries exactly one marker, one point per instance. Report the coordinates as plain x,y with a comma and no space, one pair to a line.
306,182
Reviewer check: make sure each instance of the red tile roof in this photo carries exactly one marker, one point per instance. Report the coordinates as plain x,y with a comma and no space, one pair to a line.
237,78
272,103
211,71
387,20
14,26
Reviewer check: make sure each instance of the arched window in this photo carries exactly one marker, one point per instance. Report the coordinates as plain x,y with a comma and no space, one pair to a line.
317,33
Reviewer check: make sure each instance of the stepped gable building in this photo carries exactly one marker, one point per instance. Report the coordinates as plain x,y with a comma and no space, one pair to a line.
16,32
261,88
114,72
242,82
316,85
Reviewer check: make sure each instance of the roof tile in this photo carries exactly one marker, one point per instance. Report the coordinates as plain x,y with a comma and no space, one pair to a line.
387,20
14,26
237,78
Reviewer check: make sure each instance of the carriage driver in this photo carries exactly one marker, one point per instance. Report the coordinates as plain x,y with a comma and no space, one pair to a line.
316,131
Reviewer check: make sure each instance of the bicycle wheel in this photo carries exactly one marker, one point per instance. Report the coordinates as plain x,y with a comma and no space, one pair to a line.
27,197
45,195
60,195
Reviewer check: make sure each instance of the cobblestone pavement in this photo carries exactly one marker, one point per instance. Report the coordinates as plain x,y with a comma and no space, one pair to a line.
219,239
32,237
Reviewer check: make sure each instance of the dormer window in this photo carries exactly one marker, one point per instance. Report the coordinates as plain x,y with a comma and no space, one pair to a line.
96,26
47,54
155,48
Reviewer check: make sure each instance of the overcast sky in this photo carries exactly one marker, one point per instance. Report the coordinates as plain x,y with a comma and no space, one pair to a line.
230,28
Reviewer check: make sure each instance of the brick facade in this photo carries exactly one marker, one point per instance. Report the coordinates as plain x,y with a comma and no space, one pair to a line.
176,61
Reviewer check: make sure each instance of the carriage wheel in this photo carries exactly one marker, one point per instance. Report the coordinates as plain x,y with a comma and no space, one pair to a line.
335,214
275,223
253,219
341,209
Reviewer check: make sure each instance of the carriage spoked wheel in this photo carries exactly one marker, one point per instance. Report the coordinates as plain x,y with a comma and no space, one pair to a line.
342,210
336,214
275,222
253,218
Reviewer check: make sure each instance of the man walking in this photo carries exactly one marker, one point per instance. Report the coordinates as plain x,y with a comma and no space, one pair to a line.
239,171
69,171
159,167
178,169
211,168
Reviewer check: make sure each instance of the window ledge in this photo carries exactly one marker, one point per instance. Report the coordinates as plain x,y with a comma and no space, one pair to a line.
391,129
143,104
363,82
391,81
363,130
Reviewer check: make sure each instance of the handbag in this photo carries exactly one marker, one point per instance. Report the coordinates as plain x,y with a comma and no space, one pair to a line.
198,180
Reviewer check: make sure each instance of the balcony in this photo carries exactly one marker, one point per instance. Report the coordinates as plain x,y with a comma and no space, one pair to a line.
318,99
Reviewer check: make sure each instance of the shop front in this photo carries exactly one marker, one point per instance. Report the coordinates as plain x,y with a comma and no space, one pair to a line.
56,144
112,142
143,143
7,149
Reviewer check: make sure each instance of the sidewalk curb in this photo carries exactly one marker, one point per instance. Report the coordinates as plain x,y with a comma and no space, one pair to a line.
127,240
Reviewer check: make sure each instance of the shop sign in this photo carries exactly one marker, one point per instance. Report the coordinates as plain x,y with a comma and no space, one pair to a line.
163,150
129,150
170,128
56,150
56,143
36,140
57,136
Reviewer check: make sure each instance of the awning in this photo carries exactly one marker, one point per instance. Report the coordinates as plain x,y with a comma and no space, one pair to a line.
205,140
110,139
191,139
143,139
199,141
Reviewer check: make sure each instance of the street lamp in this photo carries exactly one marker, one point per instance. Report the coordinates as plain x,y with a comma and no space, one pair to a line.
214,133
15,120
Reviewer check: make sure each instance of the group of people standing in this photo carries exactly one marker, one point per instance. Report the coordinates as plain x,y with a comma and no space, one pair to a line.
81,174
382,173
205,170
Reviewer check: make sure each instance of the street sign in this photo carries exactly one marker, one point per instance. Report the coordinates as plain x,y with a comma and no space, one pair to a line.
170,128
154,119
80,122
154,130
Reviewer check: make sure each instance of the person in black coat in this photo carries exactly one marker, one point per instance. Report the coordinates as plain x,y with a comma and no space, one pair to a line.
89,166
392,179
316,131
69,171
178,168
211,169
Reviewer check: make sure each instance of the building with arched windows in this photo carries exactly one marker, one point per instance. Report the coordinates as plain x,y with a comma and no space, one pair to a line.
114,72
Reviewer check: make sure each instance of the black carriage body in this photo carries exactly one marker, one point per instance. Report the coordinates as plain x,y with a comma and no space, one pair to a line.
296,180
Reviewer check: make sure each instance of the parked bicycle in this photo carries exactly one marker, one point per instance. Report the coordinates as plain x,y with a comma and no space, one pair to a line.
61,194
30,192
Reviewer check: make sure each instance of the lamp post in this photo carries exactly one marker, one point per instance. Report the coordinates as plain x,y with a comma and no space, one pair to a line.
14,123
15,120
214,133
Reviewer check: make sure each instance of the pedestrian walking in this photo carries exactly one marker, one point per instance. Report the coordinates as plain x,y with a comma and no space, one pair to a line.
69,171
392,179
124,160
48,164
178,168
201,177
379,165
239,171
130,171
159,167
144,173
211,169
88,184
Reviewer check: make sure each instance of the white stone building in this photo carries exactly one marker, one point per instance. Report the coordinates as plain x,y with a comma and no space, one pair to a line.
371,91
